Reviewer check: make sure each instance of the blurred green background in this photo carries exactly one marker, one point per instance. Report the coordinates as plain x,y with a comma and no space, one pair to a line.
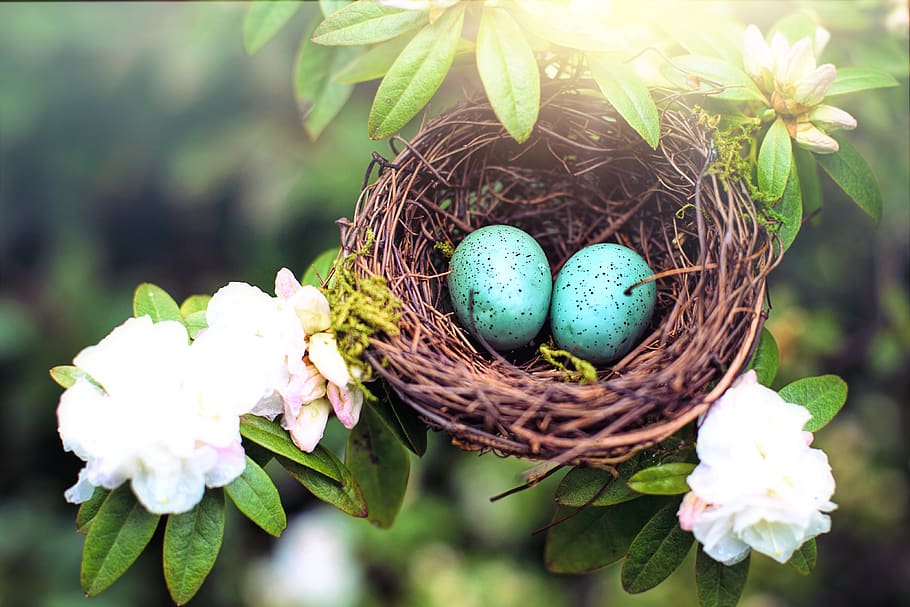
138,142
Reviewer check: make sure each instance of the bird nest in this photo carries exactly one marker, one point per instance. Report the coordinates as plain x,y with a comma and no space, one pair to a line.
583,177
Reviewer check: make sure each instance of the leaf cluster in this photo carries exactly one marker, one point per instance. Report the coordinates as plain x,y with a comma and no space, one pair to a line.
516,44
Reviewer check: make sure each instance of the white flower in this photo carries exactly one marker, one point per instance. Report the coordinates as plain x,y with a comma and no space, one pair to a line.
160,419
293,332
796,86
758,484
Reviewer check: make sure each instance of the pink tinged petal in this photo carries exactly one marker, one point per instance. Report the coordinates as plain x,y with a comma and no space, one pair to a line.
325,356
230,462
689,510
308,427
808,437
828,118
286,284
303,388
810,137
748,378
347,402
810,89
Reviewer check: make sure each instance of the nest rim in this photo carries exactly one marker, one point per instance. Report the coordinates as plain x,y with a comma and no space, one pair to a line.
492,402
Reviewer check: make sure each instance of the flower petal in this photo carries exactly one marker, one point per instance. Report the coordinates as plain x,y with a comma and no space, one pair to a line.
812,138
169,489
307,428
82,491
286,284
347,401
799,62
757,58
312,308
812,88
827,118
325,356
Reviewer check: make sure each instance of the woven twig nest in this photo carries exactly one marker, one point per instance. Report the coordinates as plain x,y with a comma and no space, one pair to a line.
583,177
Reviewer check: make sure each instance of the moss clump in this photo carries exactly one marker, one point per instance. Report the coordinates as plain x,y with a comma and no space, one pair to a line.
582,371
360,308
735,150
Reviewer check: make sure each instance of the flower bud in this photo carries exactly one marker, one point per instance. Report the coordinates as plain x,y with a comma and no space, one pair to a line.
828,118
812,138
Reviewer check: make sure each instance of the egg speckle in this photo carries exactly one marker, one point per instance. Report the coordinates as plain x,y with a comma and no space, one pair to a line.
500,285
591,315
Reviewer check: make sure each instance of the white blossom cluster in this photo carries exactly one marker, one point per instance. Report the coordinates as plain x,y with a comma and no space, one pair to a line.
163,411
758,485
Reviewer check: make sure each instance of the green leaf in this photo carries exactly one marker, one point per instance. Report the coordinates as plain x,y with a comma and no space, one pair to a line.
191,544
805,558
374,63
361,23
195,322
67,375
381,466
658,549
89,509
152,300
416,75
255,495
711,75
277,440
319,270
119,533
809,183
402,420
851,172
194,304
823,396
583,486
264,19
347,496
663,479
790,209
595,537
509,72
774,160
766,358
628,94
853,79
319,98
718,585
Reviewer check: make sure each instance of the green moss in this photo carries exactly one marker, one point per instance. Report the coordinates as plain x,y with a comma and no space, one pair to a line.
445,248
361,307
582,371
735,150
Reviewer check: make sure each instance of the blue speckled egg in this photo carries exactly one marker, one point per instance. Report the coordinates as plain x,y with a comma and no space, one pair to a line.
590,315
500,285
